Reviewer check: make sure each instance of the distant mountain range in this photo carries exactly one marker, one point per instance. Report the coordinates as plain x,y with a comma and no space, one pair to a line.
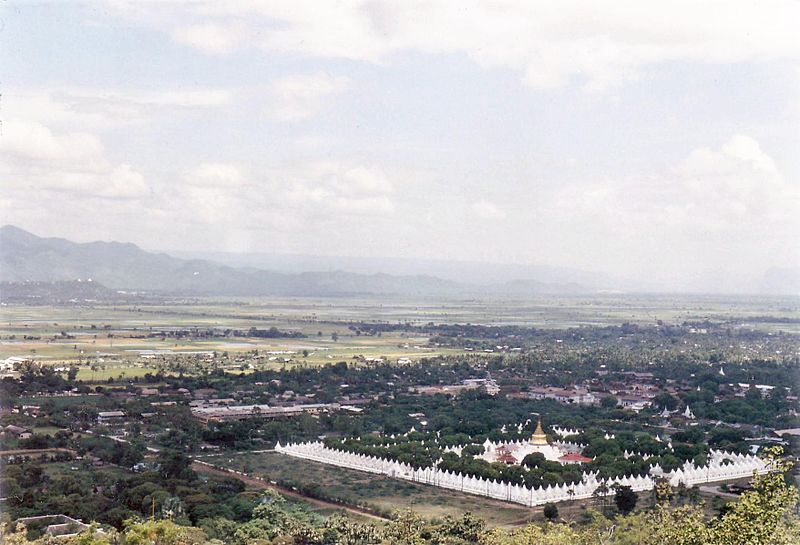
462,271
27,258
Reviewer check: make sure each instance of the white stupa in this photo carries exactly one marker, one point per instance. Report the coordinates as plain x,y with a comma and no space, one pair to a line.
514,453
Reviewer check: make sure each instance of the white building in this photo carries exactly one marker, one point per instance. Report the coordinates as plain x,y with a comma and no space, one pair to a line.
515,453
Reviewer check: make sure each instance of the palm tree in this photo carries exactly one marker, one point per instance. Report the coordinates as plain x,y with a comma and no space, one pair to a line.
571,493
601,493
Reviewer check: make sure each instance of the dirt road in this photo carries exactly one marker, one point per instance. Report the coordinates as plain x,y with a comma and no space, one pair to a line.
35,451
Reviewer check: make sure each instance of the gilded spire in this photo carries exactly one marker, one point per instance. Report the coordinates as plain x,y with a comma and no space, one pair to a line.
538,437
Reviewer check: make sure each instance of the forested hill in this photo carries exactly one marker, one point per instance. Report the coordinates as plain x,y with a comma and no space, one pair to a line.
25,257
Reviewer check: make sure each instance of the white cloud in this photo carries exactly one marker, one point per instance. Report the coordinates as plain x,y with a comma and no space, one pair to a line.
488,211
123,183
189,145
548,43
30,142
331,187
288,98
734,188
208,38
215,175
302,96
737,183
310,198
100,108
36,158
361,181
136,105
726,209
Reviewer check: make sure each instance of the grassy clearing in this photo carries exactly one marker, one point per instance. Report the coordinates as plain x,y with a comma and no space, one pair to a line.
125,371
376,491
47,430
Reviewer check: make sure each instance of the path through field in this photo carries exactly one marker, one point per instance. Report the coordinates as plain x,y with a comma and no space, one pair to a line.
258,483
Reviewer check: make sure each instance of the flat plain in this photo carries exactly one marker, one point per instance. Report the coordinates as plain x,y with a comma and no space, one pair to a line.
121,339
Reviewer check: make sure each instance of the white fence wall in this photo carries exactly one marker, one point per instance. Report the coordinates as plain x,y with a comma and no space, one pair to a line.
722,466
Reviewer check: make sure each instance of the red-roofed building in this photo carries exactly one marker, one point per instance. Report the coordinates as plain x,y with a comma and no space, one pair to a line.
507,458
504,455
573,458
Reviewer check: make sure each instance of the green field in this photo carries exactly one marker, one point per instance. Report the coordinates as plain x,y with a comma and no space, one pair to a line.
115,338
373,491
47,430
120,347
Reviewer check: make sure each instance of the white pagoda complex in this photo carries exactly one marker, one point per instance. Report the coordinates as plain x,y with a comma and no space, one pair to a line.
514,453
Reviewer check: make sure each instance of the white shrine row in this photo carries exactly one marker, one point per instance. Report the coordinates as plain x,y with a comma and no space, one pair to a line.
628,454
722,466
566,446
565,432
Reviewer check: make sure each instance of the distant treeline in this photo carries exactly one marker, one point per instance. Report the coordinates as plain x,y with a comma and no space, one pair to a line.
62,291
271,333
522,333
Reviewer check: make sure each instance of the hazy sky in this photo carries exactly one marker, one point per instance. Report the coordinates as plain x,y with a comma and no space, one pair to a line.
646,139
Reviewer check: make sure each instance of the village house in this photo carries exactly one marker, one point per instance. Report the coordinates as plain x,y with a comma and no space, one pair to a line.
105,417
17,431
763,389
635,404
643,390
642,377
488,385
30,410
58,526
575,396
245,412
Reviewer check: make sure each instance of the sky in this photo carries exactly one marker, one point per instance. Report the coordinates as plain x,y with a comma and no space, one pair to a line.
651,140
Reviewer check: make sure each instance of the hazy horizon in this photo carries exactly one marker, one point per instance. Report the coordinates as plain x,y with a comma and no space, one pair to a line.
477,274
650,142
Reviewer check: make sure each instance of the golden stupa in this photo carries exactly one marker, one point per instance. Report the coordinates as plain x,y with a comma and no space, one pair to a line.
538,437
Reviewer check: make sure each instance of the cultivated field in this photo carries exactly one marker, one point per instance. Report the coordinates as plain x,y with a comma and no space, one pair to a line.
125,340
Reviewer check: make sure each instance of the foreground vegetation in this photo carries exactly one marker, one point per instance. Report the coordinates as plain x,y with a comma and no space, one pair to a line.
111,394
765,515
